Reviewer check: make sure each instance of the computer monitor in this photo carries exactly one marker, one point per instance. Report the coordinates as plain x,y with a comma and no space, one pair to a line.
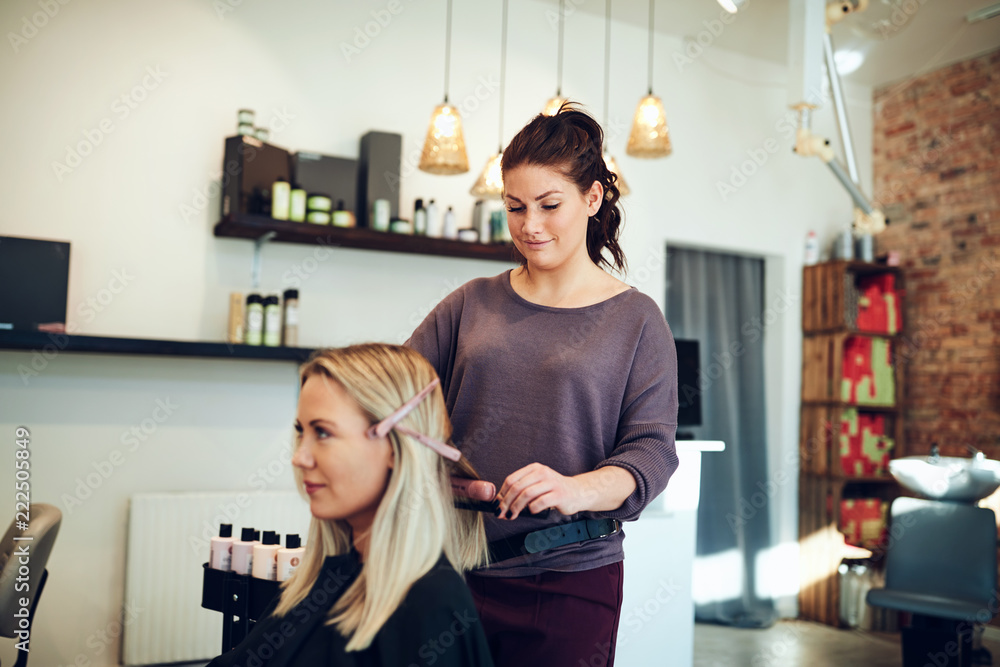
34,282
689,389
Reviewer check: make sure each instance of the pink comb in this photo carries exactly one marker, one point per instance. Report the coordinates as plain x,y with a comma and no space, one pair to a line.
382,428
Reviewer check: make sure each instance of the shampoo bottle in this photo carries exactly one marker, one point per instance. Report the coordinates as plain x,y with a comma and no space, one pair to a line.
450,228
435,226
272,321
281,193
419,218
265,561
220,556
243,552
290,557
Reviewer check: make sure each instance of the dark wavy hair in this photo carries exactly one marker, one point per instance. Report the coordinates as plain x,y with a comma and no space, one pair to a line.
572,142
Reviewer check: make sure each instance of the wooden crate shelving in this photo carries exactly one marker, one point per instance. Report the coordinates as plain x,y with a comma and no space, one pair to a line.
829,320
820,429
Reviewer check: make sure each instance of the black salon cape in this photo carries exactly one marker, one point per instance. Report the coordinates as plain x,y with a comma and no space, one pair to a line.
436,624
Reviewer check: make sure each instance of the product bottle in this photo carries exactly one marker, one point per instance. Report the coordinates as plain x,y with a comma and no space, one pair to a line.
254,327
450,226
290,330
272,321
297,205
265,563
290,557
243,552
281,193
435,225
419,218
220,555
812,249
380,215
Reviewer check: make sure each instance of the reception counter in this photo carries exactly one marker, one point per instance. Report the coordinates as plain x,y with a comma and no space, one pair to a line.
657,619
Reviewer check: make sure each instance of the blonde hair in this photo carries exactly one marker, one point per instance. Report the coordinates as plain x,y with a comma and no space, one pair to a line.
416,520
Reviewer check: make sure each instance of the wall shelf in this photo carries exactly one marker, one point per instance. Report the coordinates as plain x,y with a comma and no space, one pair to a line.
862,407
42,342
255,226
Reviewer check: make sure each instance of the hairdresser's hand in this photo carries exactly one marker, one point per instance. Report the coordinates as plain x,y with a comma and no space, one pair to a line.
538,487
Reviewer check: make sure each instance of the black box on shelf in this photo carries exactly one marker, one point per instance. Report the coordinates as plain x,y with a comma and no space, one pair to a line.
249,170
335,177
378,173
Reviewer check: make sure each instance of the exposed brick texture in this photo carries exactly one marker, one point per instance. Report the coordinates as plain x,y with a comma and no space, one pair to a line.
936,145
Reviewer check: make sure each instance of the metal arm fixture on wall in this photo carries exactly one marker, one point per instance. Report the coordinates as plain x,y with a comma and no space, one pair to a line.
867,218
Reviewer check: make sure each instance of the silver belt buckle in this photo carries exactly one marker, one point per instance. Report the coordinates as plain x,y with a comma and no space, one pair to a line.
617,529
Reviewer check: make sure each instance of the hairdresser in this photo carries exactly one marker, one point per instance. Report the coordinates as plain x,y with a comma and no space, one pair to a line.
561,383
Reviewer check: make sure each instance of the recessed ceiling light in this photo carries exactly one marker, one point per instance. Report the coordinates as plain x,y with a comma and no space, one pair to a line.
732,6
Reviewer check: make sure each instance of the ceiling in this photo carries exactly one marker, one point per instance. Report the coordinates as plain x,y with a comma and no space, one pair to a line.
934,33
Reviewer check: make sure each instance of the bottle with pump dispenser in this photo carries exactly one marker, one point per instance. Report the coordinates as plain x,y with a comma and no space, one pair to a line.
243,552
220,555
290,557
265,555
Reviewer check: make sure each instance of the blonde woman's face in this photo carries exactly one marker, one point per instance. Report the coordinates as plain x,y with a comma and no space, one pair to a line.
547,216
344,472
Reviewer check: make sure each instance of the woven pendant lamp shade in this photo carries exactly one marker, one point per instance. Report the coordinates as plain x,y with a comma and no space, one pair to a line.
444,148
649,137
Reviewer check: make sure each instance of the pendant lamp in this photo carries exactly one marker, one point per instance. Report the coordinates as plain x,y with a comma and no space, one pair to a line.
608,159
553,105
444,148
490,182
649,137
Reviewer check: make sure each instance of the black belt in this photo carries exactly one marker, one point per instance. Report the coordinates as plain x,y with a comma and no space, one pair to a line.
551,537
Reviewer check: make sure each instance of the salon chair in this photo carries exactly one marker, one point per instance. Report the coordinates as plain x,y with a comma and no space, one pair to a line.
42,529
941,568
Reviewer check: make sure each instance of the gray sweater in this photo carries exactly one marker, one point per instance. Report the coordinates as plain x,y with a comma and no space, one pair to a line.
575,389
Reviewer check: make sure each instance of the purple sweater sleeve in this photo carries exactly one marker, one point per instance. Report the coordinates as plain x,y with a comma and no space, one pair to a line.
648,421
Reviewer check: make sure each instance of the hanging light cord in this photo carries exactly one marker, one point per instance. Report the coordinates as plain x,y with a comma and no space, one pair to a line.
607,61
651,4
562,22
503,72
447,52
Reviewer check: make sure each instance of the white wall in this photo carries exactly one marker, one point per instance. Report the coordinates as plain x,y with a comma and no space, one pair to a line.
121,208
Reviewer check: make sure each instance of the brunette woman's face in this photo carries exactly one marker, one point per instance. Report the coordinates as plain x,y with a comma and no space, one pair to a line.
344,472
547,215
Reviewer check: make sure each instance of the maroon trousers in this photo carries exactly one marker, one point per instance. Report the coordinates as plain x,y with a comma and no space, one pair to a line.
556,619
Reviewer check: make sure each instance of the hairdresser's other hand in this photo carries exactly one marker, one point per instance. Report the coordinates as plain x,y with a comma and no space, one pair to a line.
538,487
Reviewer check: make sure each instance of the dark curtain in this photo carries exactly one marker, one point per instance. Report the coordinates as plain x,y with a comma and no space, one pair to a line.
718,300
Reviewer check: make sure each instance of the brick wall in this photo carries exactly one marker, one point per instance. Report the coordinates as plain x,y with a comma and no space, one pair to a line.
936,144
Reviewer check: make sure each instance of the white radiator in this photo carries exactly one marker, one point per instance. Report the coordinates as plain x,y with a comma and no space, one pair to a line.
168,537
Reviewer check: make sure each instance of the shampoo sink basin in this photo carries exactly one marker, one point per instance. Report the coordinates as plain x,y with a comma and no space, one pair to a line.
947,477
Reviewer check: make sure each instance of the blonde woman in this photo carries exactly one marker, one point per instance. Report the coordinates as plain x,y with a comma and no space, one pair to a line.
380,582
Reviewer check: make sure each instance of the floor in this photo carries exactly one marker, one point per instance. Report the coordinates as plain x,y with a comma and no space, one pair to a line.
795,643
